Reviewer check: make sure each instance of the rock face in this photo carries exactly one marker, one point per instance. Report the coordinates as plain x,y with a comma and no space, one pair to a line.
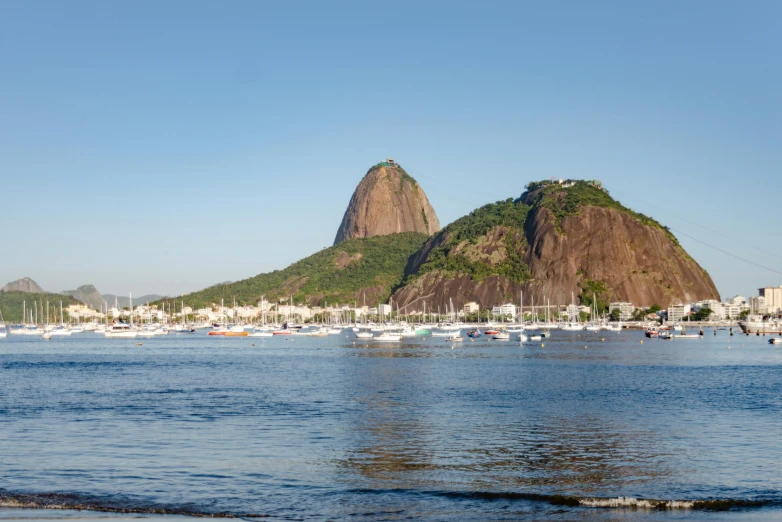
551,249
387,201
88,295
23,285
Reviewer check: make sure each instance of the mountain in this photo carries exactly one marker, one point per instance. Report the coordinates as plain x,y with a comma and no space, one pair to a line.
88,295
387,201
558,239
13,302
124,301
359,271
23,285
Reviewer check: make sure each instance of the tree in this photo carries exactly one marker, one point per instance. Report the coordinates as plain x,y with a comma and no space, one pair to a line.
702,315
653,309
615,314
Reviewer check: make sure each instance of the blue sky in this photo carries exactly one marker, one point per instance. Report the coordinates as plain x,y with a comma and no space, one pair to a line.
160,147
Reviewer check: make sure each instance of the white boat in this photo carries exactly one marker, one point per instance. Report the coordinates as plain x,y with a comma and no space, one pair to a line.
775,340
26,330
61,331
763,325
321,332
573,327
454,338
441,334
665,335
536,338
47,335
147,332
3,329
501,336
388,338
333,331
522,338
121,331
686,336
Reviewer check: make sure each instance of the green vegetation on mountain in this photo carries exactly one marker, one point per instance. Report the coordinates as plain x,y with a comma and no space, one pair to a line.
12,303
338,274
469,229
565,200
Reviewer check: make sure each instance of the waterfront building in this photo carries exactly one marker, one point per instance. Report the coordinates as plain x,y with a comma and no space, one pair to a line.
676,313
757,305
384,310
471,307
736,300
625,310
505,310
773,298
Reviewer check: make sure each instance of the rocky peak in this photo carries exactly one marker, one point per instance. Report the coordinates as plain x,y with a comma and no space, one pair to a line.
387,201
23,285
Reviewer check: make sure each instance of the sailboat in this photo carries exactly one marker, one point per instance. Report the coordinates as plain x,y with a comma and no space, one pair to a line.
3,329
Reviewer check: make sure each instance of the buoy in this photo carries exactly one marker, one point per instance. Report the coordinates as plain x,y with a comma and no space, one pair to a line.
542,345
585,347
642,341
367,346
138,344
728,347
603,339
253,344
451,347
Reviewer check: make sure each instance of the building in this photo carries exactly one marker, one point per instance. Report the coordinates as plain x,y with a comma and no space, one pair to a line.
757,305
731,311
625,310
773,298
677,313
384,309
508,309
471,308
736,300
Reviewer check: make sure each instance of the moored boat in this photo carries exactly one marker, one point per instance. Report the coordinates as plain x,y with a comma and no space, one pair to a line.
121,331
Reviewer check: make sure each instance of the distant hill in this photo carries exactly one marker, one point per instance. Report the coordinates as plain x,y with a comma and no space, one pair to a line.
12,303
23,285
88,295
354,271
124,301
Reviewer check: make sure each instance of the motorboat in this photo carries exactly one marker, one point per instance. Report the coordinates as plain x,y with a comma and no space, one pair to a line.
522,338
651,332
665,335
758,324
121,331
455,338
775,340
388,337
687,336
501,336
573,327
535,337
474,333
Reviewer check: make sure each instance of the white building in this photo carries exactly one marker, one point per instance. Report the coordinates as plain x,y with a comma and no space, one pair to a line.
757,305
384,309
471,307
736,300
773,297
508,309
677,313
625,310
